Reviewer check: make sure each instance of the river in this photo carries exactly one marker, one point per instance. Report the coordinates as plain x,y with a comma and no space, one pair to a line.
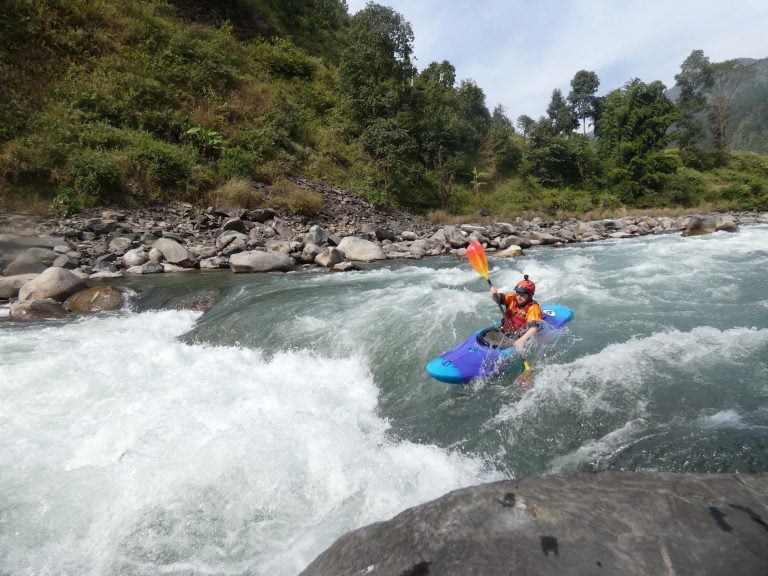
246,439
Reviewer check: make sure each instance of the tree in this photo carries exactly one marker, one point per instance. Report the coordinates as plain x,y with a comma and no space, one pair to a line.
582,97
375,68
561,114
694,80
474,117
390,144
727,77
504,153
634,129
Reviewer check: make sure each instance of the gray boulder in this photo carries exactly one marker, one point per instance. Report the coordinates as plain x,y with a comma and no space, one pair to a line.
174,253
256,261
316,235
329,257
360,249
55,283
633,524
10,285
30,261
135,257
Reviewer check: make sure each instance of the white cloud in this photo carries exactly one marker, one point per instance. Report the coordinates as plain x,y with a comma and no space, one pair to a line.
518,51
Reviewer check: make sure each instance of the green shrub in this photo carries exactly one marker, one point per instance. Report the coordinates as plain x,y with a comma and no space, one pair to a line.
238,162
93,178
158,164
283,59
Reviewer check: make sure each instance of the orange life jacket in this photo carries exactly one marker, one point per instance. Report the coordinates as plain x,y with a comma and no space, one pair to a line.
518,319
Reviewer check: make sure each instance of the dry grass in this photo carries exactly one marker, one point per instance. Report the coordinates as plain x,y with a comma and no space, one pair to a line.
236,193
284,194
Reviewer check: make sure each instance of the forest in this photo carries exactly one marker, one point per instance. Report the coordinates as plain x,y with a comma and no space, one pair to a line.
134,102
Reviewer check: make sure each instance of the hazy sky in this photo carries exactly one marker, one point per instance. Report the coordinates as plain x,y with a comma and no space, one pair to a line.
518,51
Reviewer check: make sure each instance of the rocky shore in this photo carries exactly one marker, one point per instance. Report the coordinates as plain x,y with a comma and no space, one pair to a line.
44,261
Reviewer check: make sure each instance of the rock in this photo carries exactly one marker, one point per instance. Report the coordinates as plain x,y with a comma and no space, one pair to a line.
452,236
151,267
10,285
409,236
316,235
698,226
95,299
102,274
174,253
66,261
542,237
213,263
329,257
726,223
55,283
120,245
510,252
634,524
135,257
310,252
256,261
30,261
345,267
360,249
32,310
236,225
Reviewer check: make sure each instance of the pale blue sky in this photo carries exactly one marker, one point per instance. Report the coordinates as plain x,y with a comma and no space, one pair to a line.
518,51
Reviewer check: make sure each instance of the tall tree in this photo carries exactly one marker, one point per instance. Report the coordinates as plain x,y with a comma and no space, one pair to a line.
694,80
634,129
504,153
561,114
375,68
728,76
582,97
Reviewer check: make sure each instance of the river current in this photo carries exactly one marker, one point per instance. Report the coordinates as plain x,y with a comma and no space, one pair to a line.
248,438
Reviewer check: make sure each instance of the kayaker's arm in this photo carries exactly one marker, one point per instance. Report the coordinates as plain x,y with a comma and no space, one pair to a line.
527,335
498,297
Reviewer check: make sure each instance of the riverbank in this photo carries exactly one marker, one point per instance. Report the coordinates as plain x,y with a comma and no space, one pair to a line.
347,230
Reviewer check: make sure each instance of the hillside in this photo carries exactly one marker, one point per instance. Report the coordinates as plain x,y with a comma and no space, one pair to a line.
135,102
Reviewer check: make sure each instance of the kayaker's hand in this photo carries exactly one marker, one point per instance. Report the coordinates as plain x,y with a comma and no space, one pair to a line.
494,293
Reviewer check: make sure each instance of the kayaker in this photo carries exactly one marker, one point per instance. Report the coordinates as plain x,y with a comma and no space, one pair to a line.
523,314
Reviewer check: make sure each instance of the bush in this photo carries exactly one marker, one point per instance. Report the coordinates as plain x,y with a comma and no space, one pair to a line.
238,162
157,164
236,193
284,194
282,58
93,178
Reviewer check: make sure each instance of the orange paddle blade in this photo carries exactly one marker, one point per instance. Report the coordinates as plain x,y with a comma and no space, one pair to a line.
476,257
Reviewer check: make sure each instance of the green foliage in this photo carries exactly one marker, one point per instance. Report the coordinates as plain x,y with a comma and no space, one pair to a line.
93,178
158,166
283,59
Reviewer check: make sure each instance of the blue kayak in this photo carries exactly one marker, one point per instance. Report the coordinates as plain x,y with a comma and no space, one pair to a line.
489,352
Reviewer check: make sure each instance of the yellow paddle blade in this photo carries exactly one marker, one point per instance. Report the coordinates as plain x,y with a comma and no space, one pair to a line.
476,257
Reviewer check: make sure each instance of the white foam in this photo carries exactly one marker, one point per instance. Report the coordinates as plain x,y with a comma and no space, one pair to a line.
144,449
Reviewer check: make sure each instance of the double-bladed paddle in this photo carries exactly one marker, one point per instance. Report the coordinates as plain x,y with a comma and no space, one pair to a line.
479,261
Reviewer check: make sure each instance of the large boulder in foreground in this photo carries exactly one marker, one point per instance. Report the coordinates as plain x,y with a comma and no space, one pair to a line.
56,283
609,523
257,261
